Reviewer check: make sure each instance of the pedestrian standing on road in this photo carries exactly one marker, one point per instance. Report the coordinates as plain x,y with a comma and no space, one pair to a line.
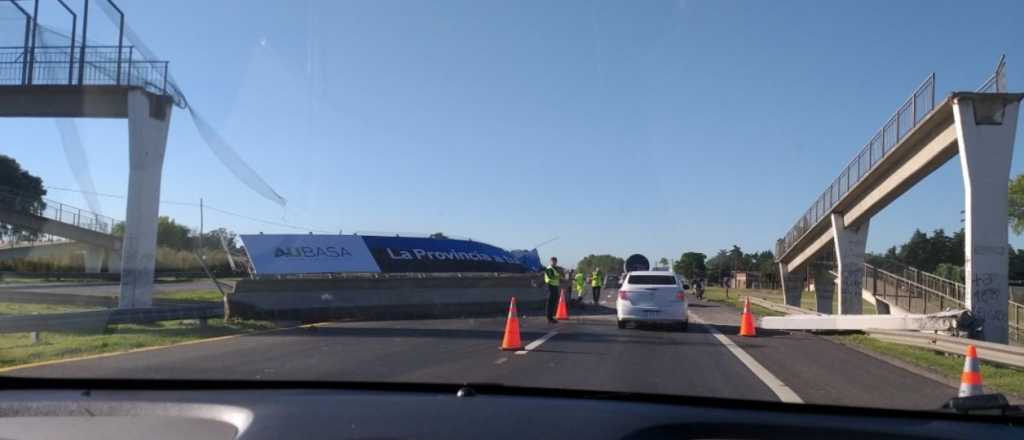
580,282
596,281
553,278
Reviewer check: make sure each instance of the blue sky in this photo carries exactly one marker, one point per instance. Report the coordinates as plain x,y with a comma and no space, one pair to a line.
654,127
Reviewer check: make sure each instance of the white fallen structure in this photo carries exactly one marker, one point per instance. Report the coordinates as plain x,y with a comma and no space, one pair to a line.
943,321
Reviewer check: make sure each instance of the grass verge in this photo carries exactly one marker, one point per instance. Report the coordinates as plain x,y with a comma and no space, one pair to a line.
736,298
211,295
996,378
18,348
807,299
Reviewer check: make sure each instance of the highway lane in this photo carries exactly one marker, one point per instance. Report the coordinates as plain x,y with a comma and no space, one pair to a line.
588,352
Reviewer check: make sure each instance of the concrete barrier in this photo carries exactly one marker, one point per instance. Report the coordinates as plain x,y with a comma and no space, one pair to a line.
406,298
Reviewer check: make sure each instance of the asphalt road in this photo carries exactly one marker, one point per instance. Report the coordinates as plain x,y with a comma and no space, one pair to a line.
587,352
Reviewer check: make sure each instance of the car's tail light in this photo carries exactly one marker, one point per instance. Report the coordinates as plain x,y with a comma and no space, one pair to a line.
623,295
681,295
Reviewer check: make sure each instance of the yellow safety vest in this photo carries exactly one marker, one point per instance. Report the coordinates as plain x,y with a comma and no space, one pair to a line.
580,282
551,276
596,279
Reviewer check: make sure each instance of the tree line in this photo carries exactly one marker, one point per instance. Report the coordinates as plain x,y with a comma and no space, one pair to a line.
692,265
172,235
939,254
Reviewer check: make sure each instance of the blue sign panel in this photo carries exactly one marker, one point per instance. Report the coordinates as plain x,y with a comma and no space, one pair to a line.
300,253
528,258
408,254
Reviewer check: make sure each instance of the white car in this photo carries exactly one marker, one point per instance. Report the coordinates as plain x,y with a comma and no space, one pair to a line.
652,297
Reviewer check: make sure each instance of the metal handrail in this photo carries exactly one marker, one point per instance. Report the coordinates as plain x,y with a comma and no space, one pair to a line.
101,65
997,80
915,289
917,106
58,211
958,302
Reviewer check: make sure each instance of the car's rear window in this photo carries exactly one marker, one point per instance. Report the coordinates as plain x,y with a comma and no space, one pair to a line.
652,279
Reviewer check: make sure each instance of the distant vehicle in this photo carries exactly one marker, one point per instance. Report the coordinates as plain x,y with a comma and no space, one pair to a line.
636,262
652,297
613,280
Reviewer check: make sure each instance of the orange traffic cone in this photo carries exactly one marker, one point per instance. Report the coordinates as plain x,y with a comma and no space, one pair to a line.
511,340
747,321
562,312
970,379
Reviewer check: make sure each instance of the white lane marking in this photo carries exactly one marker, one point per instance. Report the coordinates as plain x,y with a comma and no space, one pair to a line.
783,391
500,361
533,345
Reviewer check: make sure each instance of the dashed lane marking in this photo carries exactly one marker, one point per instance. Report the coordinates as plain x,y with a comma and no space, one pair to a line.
533,345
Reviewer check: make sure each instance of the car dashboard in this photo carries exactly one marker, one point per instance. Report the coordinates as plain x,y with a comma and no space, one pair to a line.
225,410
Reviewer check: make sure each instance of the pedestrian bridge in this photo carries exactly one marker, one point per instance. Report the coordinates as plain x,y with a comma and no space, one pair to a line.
89,232
919,138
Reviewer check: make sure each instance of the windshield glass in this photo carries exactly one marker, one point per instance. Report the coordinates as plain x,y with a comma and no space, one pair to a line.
448,191
651,279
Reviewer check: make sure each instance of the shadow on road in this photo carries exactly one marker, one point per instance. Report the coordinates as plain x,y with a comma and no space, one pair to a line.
732,330
589,309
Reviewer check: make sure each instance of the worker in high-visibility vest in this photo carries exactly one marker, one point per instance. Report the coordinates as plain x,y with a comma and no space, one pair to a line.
596,281
580,283
552,278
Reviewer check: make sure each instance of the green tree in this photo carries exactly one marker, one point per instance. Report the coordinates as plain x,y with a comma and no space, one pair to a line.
719,266
1016,205
663,262
763,262
1016,264
212,240
607,263
117,229
691,265
20,191
169,234
438,235
950,272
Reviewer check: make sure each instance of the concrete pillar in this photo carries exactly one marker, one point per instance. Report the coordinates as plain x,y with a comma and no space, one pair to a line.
985,127
93,259
114,261
882,307
850,244
792,285
824,288
149,116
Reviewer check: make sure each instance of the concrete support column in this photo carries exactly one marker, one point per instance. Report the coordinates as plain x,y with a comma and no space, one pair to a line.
114,262
824,289
792,285
882,308
93,259
149,117
985,127
850,244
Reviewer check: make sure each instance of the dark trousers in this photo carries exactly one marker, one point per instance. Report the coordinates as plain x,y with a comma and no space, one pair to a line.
552,302
597,293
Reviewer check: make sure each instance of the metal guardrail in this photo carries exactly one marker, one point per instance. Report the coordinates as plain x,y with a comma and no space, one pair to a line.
99,319
997,353
54,210
63,65
397,275
908,116
108,276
